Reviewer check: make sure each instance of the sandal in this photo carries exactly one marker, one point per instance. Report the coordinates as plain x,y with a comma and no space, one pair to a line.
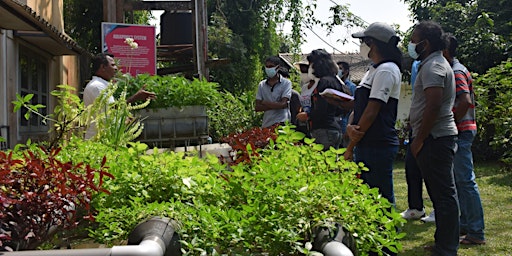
471,241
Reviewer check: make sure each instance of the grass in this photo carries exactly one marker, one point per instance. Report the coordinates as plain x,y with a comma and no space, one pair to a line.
495,187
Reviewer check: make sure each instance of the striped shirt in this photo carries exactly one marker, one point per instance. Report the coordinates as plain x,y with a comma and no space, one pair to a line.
464,84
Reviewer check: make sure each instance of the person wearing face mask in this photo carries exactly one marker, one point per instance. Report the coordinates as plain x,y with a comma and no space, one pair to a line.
273,95
321,118
307,85
343,74
434,132
372,132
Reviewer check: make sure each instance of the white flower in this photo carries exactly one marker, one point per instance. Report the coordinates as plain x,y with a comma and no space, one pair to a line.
129,41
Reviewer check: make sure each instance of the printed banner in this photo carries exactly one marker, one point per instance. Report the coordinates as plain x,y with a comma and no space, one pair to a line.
133,45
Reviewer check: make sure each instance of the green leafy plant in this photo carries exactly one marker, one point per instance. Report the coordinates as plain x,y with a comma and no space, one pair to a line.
233,114
172,91
115,124
268,205
494,110
68,117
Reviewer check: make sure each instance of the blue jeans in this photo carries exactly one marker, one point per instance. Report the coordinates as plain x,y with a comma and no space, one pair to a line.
379,161
435,161
471,211
326,137
414,181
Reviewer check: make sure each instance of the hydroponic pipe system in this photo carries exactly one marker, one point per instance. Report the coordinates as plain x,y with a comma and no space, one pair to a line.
154,237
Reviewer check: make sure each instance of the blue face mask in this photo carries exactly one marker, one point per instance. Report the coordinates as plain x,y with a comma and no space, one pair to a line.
340,73
411,48
271,72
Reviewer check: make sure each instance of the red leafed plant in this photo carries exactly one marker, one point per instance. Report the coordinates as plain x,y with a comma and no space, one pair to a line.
256,137
40,194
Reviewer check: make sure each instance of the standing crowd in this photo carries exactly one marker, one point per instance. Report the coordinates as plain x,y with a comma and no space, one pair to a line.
363,118
441,116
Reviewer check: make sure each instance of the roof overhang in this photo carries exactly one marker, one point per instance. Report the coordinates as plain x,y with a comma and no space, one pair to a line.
30,27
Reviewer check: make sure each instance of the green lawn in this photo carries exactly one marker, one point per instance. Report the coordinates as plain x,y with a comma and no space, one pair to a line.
496,191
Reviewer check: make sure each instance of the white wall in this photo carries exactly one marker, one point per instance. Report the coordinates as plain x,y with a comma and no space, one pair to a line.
404,103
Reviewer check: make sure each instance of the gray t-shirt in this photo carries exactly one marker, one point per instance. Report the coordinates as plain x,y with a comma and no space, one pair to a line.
283,89
434,71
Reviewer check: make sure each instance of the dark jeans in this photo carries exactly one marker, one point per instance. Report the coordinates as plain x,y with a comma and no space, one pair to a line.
435,161
328,138
414,181
379,161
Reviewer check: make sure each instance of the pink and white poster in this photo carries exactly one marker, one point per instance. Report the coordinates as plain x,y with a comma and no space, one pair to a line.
133,45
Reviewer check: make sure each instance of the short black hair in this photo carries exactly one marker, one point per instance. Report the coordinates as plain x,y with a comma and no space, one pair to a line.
451,44
274,60
433,32
322,62
100,59
284,72
345,65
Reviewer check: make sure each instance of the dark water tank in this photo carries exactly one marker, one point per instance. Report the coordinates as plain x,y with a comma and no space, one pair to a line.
176,28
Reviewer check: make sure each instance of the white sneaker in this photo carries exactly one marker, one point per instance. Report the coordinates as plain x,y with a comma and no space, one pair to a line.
412,214
430,218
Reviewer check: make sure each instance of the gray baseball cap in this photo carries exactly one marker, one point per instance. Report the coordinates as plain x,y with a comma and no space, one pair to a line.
378,30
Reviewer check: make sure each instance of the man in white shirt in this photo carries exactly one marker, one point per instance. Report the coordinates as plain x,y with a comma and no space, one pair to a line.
104,69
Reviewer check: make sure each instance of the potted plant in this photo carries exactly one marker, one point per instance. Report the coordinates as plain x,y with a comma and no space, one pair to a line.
179,111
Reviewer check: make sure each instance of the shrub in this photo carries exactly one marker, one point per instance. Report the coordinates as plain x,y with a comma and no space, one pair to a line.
40,194
494,112
232,114
172,91
269,205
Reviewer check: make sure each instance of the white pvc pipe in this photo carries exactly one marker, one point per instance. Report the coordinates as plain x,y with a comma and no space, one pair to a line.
335,248
150,247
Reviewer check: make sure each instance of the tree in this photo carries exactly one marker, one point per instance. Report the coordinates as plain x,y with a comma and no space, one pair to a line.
482,27
82,21
246,32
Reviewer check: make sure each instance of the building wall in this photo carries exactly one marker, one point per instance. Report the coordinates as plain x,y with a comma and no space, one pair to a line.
404,103
61,70
50,10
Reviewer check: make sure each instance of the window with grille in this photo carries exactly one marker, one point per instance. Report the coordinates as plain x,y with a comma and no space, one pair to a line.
33,72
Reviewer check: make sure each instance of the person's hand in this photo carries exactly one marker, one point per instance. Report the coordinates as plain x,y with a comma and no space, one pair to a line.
302,116
353,132
416,147
142,94
349,155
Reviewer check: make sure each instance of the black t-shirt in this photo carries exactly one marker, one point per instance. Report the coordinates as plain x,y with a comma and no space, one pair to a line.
323,115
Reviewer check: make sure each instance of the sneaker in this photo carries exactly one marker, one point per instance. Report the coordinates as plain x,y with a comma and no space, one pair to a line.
412,214
430,218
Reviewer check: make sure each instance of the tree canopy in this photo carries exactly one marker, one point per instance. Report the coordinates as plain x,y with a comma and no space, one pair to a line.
483,28
243,31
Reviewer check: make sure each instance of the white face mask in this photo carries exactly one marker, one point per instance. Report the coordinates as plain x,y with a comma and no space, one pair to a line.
364,50
304,78
411,48
310,73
